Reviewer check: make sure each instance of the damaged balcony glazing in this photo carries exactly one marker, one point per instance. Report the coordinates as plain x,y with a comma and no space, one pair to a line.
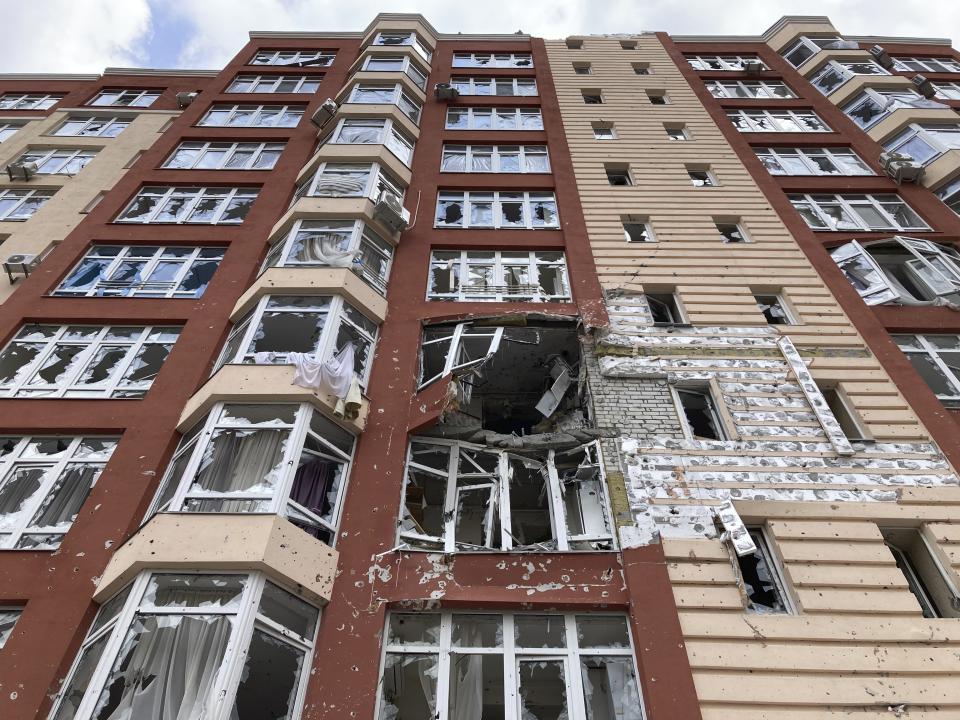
498,210
286,116
399,63
295,58
488,275
476,118
373,131
349,180
189,205
386,95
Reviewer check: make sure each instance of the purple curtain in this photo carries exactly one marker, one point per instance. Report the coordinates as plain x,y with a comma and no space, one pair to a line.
312,483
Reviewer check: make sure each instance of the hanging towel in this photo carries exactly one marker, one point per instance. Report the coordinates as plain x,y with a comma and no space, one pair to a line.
349,407
333,375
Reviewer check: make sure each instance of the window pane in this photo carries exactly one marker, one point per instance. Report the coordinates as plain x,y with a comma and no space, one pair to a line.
542,689
602,631
409,687
540,631
289,611
476,683
610,688
271,675
167,590
73,692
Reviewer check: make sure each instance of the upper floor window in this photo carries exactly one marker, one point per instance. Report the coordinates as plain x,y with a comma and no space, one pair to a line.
295,58
777,121
191,205
374,131
21,204
84,360
460,497
937,359
388,95
8,618
274,84
200,155
502,210
493,60
812,161
7,129
498,276
349,180
97,126
926,64
495,158
947,90
335,243
284,459
398,63
925,142
836,72
404,38
58,161
195,645
735,63
24,101
44,482
857,212
476,118
806,47
768,89
286,116
765,588
170,271
872,105
502,86
126,98
949,193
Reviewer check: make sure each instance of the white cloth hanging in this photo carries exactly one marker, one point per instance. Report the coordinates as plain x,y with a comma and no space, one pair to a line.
349,407
333,375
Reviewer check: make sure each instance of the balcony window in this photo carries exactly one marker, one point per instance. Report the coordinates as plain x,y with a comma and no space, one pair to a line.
399,63
812,161
871,106
125,98
263,116
295,58
142,271
386,95
768,89
949,193
790,121
410,39
189,205
9,129
498,276
806,47
373,131
926,64
336,243
285,459
937,359
99,126
274,84
84,361
44,482
493,60
190,644
21,204
495,159
476,118
731,63
200,155
349,180
836,72
853,213
58,161
25,101
925,142
498,86
947,90
500,210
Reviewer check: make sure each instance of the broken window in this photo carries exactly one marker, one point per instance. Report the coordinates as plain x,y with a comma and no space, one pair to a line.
806,47
142,271
733,63
937,359
657,98
592,97
774,309
835,73
618,175
44,482
200,155
300,58
31,101
777,121
349,180
762,583
664,308
765,89
191,205
488,275
268,458
873,104
221,115
183,645
857,212
731,232
812,161
502,86
84,360
125,98
388,95
21,204
552,666
480,118
58,161
701,178
373,131
637,230
495,60
405,38
926,577
500,210
8,618
844,414
699,414
495,159
274,84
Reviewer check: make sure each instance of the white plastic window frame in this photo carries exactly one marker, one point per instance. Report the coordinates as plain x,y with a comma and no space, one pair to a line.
802,154
28,101
294,58
929,134
255,114
66,385
947,90
409,106
527,198
932,352
9,129
811,44
714,407
848,206
194,446
378,180
759,89
949,194
137,97
193,195
143,288
926,64
499,265
647,229
391,137
885,101
499,485
247,619
265,84
496,60
495,152
731,63
54,467
571,655
411,39
406,66
28,202
495,115
231,148
452,363
59,160
799,119
780,302
490,87
109,128
765,550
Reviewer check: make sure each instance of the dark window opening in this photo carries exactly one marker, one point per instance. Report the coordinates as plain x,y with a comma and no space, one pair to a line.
664,309
773,309
761,581
925,577
700,413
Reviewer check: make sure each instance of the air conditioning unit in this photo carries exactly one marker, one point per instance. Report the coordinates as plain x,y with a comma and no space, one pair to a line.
327,109
19,264
923,86
390,211
902,168
882,57
445,91
21,171
753,67
185,98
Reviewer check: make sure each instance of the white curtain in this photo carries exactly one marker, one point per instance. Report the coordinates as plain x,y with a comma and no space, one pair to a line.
332,375
323,248
241,460
466,692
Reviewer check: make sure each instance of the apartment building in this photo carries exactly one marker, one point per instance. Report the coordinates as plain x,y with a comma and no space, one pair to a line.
398,374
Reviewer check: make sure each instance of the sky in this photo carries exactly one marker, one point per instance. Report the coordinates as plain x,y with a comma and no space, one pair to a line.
86,36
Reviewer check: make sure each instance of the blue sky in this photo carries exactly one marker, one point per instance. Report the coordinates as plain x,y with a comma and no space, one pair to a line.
88,35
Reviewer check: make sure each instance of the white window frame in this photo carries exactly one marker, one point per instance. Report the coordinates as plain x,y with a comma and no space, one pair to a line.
844,70
604,132
20,457
189,458
390,136
848,205
571,655
947,90
886,101
764,548
932,352
294,58
739,228
9,128
409,106
647,228
110,123
259,83
60,159
490,87
409,39
781,303
126,604
378,180
494,152
29,101
677,308
759,89
102,287
500,290
232,148
194,196
409,68
926,133
456,360
683,131
495,60
812,44
138,97
799,118
949,194
495,115
923,64
67,385
27,199
713,407
803,156
731,63
528,199
255,113
461,454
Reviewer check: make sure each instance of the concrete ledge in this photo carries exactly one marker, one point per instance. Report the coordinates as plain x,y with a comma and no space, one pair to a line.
943,168
214,542
899,119
788,31
330,208
852,87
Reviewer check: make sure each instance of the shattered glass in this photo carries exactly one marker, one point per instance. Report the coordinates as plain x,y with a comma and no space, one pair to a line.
414,629
602,631
271,676
610,688
73,692
540,631
759,583
195,591
542,689
409,687
477,631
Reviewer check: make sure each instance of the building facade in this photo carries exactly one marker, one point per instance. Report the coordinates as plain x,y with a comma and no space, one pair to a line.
399,374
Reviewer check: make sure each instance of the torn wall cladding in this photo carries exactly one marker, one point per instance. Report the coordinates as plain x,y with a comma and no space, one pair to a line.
778,440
